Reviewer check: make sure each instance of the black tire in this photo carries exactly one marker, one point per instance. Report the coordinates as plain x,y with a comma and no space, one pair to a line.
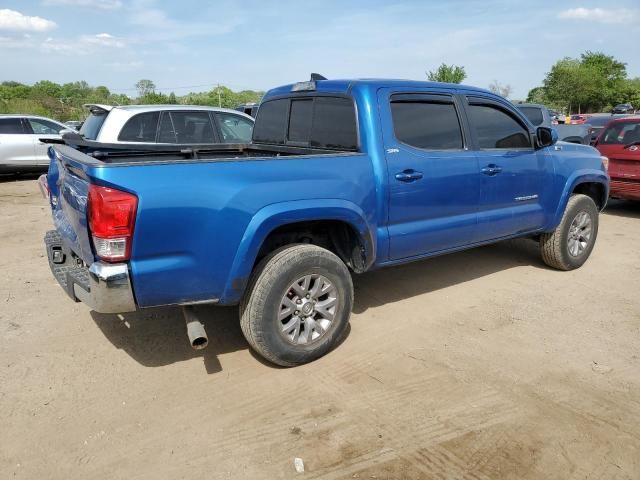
555,245
270,282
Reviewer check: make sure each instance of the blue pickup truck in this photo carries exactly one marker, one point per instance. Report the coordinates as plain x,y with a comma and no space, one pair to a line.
341,177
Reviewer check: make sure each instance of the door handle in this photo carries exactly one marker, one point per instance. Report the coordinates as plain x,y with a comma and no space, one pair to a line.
409,176
491,169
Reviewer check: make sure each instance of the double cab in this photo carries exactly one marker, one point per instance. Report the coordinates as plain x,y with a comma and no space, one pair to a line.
341,177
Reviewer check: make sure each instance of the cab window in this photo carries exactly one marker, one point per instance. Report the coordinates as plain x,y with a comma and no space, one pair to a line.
496,129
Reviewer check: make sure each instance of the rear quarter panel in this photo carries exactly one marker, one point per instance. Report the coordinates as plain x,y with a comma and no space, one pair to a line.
194,238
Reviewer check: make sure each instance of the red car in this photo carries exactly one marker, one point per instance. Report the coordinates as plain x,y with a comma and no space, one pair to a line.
578,119
620,142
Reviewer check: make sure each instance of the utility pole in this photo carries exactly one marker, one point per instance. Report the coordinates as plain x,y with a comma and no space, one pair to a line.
219,98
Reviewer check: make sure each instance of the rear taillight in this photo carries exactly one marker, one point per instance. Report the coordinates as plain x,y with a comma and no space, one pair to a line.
112,215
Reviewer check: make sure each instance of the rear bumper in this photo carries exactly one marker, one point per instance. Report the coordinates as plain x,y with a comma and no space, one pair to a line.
105,287
625,189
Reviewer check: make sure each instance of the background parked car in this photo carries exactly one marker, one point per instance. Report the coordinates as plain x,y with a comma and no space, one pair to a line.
540,116
166,124
622,108
578,119
20,146
620,142
248,108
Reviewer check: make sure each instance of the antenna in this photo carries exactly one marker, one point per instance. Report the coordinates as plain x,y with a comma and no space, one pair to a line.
316,76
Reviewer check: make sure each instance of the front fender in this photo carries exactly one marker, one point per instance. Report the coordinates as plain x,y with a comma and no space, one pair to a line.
576,178
276,215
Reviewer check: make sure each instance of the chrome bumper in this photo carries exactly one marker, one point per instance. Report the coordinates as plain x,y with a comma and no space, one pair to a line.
104,287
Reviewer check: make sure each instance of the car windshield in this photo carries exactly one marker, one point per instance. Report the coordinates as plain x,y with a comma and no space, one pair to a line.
576,117
534,114
621,134
91,127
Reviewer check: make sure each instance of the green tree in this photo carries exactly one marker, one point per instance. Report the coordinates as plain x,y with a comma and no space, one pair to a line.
172,99
448,74
145,87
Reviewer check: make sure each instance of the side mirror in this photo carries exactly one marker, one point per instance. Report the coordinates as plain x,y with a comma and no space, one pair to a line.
546,136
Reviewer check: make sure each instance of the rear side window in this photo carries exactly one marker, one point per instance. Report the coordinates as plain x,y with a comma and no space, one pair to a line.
140,128
92,125
497,129
534,115
428,125
234,128
193,127
44,127
271,122
166,134
11,126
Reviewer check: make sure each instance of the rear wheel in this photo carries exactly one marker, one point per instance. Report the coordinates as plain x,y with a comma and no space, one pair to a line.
571,243
297,305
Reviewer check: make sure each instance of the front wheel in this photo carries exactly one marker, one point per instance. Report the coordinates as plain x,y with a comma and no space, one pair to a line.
297,305
571,243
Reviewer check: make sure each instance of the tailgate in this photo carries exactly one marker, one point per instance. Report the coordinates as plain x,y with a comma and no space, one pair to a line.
69,187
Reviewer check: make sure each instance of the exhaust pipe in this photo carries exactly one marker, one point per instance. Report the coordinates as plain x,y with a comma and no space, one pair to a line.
195,329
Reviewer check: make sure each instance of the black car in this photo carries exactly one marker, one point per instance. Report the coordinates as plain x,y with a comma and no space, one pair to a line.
622,108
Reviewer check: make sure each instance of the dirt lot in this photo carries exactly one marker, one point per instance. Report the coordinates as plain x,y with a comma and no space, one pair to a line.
480,365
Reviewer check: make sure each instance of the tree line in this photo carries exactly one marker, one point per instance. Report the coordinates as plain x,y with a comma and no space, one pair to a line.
64,102
595,82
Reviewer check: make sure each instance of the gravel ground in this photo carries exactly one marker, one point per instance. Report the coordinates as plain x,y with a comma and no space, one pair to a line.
483,364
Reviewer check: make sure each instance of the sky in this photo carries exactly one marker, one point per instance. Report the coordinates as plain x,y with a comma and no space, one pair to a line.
186,45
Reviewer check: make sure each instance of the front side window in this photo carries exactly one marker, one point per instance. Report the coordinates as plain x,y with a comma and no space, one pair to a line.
621,134
44,127
11,126
193,127
497,129
140,128
425,124
234,128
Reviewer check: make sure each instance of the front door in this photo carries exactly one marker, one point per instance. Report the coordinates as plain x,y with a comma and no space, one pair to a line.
434,181
516,179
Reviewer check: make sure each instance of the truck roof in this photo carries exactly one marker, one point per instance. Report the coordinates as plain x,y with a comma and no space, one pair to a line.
343,86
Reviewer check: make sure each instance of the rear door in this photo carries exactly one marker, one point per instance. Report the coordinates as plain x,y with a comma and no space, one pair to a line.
516,179
434,179
16,146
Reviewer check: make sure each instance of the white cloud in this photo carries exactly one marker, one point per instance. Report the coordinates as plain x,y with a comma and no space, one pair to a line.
101,4
102,40
83,45
620,15
17,22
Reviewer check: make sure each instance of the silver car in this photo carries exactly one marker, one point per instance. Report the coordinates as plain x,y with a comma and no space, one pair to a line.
20,147
166,124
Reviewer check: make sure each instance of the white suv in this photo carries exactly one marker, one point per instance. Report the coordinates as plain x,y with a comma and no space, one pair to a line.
20,146
166,124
